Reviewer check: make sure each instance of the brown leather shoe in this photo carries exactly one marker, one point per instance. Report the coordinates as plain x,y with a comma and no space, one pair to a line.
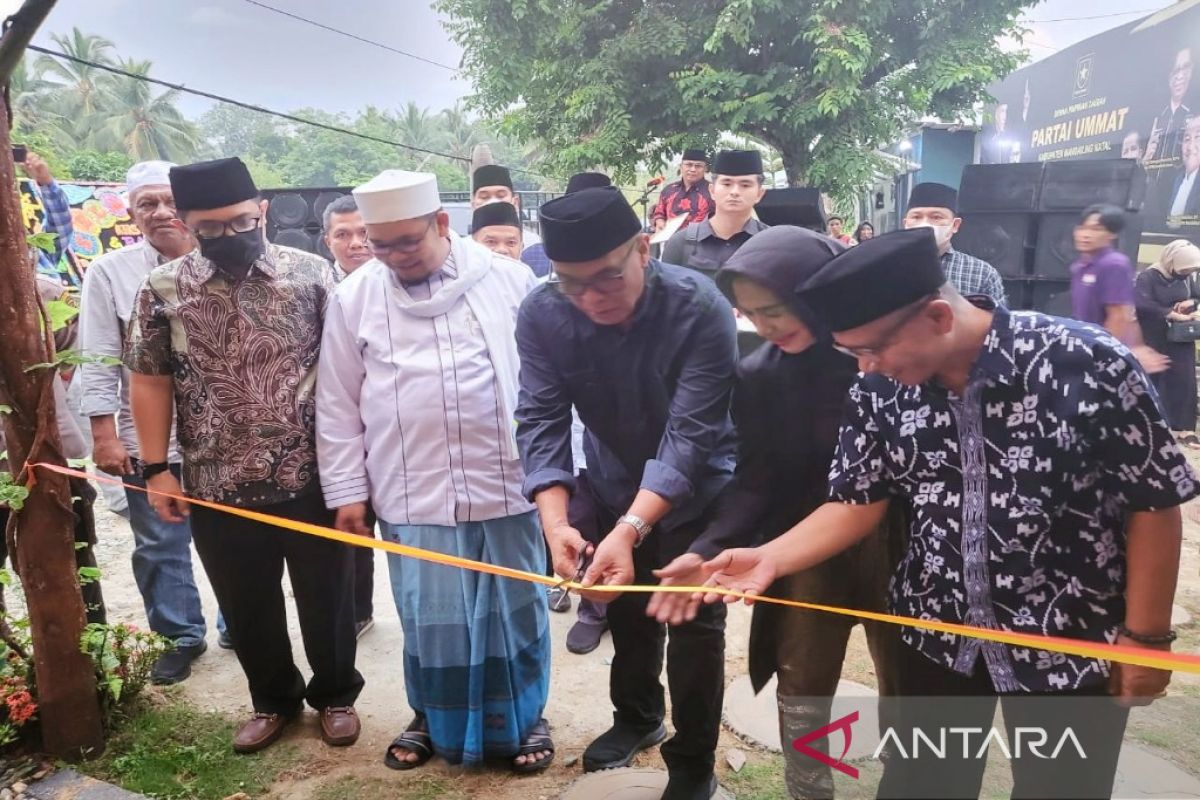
259,732
340,726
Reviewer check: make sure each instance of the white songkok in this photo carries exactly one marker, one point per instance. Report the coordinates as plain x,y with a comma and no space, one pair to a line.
148,173
395,195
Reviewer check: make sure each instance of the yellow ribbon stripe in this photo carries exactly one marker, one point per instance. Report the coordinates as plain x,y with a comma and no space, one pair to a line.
1174,662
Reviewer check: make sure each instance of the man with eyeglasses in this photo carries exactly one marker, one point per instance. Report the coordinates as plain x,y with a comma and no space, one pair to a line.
1045,489
416,396
690,195
646,353
229,335
162,553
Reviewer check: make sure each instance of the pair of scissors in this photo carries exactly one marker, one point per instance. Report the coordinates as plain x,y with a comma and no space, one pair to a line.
581,567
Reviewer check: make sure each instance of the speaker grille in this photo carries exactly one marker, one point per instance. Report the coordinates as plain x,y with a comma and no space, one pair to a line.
1000,187
1002,240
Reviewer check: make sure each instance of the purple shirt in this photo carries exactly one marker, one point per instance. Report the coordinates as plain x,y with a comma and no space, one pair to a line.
1104,280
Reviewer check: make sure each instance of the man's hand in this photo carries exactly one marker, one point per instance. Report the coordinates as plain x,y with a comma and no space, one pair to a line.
353,519
745,570
1151,360
1137,686
36,168
612,565
168,508
676,608
111,456
566,544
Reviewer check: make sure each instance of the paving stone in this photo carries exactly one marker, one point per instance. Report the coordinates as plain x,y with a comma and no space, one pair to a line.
1141,774
756,717
67,784
624,784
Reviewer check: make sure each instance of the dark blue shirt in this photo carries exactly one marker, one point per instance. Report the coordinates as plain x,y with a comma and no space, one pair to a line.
536,259
1020,491
654,398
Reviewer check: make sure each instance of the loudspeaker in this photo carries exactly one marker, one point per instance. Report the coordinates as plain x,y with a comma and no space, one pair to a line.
1056,244
294,217
800,206
1003,240
1000,187
1050,297
1075,185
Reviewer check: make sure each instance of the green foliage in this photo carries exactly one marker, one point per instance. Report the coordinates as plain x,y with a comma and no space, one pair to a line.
122,655
824,83
174,752
12,494
73,358
90,165
42,241
60,314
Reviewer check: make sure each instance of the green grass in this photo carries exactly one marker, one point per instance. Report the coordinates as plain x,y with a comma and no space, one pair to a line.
425,787
175,752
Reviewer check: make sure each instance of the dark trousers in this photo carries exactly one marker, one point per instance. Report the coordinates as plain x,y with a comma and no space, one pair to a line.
695,656
244,561
85,552
364,576
1096,721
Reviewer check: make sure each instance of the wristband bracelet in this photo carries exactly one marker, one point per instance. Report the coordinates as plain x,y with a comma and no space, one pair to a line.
150,470
1165,638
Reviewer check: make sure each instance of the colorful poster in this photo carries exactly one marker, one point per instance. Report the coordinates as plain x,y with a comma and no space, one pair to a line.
99,214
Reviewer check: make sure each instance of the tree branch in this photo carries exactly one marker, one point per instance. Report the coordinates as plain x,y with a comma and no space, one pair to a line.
18,33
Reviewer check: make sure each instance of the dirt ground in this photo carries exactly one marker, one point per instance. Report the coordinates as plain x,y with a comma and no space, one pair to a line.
578,709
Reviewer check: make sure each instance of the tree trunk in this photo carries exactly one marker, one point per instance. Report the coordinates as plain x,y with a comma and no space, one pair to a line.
44,555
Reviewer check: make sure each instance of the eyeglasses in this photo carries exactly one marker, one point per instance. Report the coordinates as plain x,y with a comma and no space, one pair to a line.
405,244
212,229
883,343
607,282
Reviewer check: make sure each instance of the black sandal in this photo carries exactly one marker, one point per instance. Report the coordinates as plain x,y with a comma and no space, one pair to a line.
415,739
538,741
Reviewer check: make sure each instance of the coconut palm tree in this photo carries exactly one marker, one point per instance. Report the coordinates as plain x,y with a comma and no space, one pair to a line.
459,134
142,124
415,126
36,108
83,85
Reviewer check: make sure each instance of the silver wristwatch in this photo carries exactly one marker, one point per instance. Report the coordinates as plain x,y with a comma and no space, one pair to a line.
640,525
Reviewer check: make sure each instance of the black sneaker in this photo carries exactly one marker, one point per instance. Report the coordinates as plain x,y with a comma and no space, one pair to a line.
362,626
689,787
560,600
617,746
224,640
176,666
584,637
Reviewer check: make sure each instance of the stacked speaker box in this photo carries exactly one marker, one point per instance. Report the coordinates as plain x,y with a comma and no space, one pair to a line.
294,217
1021,219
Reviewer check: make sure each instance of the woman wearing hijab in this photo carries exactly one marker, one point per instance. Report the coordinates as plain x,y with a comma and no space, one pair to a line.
864,231
788,409
1165,293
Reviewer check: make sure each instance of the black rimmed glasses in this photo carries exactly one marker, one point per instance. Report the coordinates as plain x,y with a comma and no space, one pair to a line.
212,229
607,281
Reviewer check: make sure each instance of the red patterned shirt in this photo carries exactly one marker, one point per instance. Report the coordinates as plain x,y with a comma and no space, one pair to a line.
675,199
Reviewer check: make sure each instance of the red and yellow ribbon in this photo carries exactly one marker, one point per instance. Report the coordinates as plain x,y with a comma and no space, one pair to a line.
1156,659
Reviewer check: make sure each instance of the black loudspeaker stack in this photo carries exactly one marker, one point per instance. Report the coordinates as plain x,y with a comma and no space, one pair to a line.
294,217
1021,218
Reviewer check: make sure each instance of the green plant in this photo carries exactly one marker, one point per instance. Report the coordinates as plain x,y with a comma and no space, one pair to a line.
122,654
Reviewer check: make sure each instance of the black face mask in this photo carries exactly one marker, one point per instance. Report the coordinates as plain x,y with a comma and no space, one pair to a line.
234,255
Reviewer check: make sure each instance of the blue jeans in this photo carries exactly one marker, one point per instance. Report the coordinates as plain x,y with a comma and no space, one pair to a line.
162,567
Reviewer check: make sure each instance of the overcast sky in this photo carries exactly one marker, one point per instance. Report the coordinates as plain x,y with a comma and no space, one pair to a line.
237,49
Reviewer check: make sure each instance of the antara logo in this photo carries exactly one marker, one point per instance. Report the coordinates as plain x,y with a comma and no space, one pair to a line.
1027,742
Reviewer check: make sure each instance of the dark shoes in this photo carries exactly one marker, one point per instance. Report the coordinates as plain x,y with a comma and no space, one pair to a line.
176,666
340,726
688,787
362,626
616,747
224,640
259,732
560,600
584,637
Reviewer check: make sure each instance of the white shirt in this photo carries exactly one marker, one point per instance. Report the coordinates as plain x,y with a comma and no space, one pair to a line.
110,285
1181,196
409,404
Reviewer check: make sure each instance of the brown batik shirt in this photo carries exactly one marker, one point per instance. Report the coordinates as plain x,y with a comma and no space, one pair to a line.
243,356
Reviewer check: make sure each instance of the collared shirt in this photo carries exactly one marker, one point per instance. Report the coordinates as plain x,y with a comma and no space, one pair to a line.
654,399
696,201
973,276
699,247
1098,281
1179,204
110,287
58,221
1171,124
243,356
1020,490
409,413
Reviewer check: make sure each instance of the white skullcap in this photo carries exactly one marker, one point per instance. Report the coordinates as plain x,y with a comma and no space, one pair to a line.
148,173
395,195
